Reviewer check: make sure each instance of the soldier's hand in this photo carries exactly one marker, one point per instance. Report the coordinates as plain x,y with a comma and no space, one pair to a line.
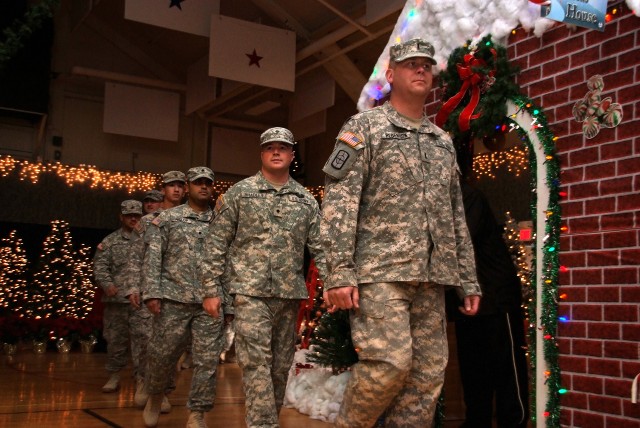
154,306
471,305
212,306
111,290
342,298
134,298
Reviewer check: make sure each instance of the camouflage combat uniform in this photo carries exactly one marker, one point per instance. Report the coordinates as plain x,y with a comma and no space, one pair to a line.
175,242
263,231
393,225
110,269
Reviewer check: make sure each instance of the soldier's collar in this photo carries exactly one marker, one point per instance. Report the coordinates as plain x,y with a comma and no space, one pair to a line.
397,119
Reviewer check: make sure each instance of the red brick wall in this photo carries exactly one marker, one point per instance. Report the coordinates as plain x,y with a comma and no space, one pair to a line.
600,344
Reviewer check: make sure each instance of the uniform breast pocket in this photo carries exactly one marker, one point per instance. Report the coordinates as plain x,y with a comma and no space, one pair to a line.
295,213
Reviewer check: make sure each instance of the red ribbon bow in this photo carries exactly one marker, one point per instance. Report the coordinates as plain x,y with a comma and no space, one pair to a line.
470,79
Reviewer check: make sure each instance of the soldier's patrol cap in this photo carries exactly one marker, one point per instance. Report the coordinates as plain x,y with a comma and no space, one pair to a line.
277,134
199,172
131,206
414,48
153,195
171,176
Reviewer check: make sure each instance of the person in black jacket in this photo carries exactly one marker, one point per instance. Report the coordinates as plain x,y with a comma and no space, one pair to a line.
491,345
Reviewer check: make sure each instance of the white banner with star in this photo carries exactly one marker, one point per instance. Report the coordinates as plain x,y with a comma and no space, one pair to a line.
252,53
189,16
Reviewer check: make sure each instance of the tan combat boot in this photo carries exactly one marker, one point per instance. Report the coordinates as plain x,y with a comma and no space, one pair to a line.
112,384
152,410
141,396
196,420
165,407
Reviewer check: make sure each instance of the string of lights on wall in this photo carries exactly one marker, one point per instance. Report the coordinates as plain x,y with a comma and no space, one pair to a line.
515,160
96,178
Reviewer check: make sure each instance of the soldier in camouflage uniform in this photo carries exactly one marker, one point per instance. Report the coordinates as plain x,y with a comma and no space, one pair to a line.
173,293
394,233
173,189
261,228
109,269
152,201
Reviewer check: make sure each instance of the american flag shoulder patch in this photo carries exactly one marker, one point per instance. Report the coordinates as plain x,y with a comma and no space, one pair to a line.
219,203
156,221
350,139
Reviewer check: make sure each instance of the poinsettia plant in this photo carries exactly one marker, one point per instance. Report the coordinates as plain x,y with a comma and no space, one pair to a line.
12,329
38,328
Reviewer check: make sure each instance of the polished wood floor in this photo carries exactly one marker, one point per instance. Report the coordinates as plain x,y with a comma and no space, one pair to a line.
64,390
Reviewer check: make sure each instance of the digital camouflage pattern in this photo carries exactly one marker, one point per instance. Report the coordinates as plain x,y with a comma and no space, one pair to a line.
109,264
133,278
392,209
170,270
393,225
124,326
175,249
264,232
178,325
277,134
261,232
400,331
414,48
265,347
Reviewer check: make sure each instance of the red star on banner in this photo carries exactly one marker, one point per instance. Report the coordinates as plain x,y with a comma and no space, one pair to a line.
254,58
176,3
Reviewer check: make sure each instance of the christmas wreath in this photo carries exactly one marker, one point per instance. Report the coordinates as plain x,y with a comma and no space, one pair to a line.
477,83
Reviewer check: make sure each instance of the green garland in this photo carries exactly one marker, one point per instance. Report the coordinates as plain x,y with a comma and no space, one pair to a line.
20,30
492,101
493,107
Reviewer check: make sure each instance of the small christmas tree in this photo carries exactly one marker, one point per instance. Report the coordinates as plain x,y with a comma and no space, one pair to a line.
13,275
331,343
61,286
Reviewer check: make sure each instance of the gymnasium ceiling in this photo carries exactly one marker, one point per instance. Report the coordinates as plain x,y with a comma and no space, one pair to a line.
330,34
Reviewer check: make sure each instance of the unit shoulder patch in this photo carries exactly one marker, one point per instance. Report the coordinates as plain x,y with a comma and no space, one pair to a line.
341,160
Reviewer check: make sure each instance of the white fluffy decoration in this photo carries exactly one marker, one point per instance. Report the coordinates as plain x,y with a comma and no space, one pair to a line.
634,5
448,24
316,392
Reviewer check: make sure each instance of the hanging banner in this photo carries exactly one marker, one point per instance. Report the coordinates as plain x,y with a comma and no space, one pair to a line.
583,13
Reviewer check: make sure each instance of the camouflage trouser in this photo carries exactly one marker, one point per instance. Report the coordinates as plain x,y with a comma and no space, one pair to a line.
125,326
265,346
141,325
172,329
401,333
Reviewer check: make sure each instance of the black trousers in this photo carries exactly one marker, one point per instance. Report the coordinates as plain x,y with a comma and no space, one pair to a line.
493,365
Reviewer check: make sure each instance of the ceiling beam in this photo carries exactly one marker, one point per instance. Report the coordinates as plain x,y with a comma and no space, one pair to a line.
127,78
344,16
279,14
345,73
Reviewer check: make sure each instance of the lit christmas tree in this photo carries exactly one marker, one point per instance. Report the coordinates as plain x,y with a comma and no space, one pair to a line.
62,286
13,275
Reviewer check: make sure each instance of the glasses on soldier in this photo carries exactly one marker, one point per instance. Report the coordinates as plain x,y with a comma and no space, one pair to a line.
414,65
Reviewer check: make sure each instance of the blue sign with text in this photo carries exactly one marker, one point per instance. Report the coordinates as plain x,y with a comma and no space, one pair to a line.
583,13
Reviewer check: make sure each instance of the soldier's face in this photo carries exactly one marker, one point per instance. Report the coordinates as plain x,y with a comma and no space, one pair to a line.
129,221
411,77
174,192
200,190
276,156
150,206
